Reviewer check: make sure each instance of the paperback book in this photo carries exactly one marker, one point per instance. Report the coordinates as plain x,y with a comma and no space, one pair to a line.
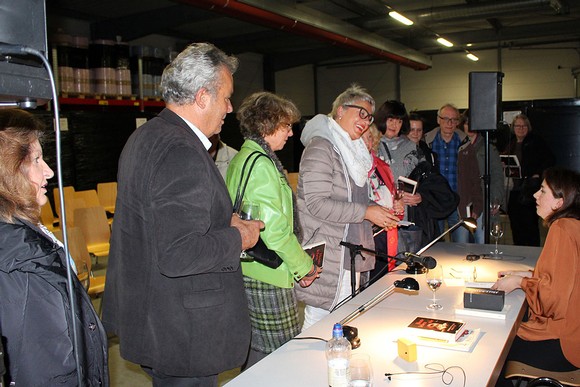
437,329
408,185
316,252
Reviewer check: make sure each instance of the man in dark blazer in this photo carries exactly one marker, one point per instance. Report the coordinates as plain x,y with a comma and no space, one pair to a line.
174,291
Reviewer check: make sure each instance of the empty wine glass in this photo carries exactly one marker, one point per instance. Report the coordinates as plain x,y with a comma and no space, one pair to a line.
434,280
248,211
496,231
361,372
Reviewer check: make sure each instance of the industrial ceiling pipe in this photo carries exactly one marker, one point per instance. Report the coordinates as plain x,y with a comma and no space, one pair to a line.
276,21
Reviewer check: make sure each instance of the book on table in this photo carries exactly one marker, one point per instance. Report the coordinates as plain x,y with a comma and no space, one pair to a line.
437,329
316,252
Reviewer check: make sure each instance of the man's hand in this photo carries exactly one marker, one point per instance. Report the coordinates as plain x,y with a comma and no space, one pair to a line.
249,230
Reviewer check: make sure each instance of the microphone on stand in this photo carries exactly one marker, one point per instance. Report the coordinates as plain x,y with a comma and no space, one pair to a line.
427,261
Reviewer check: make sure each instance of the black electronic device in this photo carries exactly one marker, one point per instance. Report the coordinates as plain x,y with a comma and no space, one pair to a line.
487,299
23,79
485,90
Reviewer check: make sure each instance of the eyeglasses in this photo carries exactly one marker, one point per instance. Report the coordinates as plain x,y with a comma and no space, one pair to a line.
520,126
449,120
363,113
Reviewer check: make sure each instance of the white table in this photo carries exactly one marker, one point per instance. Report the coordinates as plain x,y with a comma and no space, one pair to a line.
302,362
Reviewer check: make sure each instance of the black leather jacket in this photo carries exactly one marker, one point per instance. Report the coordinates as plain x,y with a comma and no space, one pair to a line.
35,318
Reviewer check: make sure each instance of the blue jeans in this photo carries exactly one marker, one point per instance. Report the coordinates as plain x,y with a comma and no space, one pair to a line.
464,235
451,220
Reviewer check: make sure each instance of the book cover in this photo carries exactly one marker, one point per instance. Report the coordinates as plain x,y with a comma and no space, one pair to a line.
465,343
408,185
439,329
511,166
316,252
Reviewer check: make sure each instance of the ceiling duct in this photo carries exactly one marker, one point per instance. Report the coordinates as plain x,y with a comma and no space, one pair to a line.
482,10
334,31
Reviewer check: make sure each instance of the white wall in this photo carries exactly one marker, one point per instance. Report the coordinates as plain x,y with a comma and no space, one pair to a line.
529,74
296,84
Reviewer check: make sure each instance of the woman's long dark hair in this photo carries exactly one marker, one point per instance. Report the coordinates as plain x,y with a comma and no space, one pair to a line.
565,185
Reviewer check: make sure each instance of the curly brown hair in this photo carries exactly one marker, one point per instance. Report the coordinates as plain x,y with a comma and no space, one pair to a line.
261,114
18,131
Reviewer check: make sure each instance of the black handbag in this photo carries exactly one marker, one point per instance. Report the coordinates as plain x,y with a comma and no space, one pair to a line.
260,252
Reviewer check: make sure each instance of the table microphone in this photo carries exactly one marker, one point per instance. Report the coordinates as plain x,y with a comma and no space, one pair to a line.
427,261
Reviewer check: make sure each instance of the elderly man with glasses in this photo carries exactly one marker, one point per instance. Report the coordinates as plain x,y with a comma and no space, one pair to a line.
446,141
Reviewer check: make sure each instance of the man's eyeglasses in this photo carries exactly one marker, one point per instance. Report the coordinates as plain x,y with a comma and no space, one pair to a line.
363,113
449,120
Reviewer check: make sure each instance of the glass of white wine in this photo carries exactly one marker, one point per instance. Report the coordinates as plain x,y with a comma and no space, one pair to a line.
496,231
434,279
248,211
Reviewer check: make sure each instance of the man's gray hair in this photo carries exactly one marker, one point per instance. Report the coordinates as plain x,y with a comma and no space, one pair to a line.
194,68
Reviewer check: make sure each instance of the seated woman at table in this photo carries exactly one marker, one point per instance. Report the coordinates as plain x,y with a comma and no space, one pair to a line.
333,198
549,338
35,320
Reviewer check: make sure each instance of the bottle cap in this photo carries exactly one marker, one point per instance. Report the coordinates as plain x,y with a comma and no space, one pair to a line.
337,330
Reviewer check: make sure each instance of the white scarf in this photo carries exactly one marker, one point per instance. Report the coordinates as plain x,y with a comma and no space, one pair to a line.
354,153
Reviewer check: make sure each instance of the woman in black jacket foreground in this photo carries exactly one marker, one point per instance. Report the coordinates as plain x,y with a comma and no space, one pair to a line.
35,316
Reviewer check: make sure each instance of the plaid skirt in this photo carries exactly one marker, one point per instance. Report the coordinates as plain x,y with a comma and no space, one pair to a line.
273,314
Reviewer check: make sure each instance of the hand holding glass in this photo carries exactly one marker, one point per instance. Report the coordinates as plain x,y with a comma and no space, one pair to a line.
248,211
434,280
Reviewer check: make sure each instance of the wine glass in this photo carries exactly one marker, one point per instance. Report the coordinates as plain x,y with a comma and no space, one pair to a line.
434,280
496,231
248,211
361,373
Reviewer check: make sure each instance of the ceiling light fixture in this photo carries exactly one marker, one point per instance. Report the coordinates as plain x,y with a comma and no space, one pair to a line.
444,42
400,18
472,57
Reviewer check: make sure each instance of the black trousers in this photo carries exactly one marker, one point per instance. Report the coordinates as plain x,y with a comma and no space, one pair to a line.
544,354
523,221
162,380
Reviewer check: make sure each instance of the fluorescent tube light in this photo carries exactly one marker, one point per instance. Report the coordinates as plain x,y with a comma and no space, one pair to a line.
400,18
445,42
472,57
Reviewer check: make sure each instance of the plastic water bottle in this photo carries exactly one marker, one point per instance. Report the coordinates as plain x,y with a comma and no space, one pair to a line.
338,357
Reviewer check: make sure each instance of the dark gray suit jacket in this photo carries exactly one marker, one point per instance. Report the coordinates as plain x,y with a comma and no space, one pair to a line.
174,293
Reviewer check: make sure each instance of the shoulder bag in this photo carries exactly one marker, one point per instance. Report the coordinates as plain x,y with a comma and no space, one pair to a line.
260,252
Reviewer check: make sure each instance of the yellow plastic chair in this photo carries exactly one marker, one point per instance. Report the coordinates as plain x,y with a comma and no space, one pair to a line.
293,180
47,217
95,227
107,193
89,198
69,203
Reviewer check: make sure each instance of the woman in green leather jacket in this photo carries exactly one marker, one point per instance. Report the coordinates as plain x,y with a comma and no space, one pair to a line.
266,123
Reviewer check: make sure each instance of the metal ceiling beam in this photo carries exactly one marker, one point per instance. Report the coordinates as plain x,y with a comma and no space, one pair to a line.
471,11
320,26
